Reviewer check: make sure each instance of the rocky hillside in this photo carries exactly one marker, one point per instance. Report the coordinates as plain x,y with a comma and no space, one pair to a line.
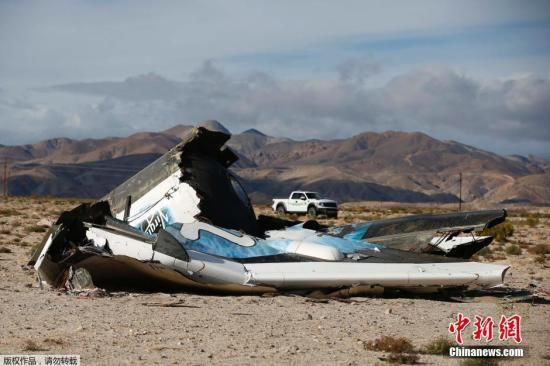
389,166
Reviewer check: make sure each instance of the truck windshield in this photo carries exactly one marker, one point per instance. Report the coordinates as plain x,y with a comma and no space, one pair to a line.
312,196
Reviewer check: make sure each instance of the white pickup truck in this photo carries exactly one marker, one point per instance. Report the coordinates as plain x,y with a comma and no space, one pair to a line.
302,202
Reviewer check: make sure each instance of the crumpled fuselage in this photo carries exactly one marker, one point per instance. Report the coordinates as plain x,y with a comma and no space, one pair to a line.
185,221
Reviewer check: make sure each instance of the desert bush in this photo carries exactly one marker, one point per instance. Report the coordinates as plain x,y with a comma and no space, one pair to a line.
401,349
438,346
36,229
540,259
501,232
532,221
513,250
391,344
485,252
31,345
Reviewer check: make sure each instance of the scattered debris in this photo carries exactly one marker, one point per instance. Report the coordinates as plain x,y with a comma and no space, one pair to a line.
535,294
91,293
175,304
79,280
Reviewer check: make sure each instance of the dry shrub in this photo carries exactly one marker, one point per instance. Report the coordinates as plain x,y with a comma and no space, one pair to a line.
401,349
513,250
501,232
391,344
485,252
31,345
532,221
438,346
36,229
540,259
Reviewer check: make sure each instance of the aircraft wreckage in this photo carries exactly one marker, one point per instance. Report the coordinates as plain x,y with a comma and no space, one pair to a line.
185,223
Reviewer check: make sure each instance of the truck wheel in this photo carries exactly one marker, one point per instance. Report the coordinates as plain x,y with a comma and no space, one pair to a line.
312,212
281,210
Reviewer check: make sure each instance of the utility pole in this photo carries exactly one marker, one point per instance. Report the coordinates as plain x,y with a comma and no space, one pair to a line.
5,180
459,191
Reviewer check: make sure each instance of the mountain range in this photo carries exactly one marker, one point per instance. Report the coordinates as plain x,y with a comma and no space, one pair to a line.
387,166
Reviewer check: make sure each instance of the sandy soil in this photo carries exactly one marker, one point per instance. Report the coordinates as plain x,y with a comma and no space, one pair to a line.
130,328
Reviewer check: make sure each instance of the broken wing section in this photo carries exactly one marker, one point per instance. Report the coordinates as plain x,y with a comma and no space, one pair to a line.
450,234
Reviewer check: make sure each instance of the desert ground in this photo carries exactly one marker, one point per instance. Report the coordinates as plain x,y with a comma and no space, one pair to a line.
185,328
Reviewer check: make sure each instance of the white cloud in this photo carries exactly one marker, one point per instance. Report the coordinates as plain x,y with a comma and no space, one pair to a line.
508,116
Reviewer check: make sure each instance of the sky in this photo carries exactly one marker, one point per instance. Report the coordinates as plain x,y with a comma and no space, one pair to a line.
477,72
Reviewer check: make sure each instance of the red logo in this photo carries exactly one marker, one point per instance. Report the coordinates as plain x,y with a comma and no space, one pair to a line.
461,323
484,328
508,327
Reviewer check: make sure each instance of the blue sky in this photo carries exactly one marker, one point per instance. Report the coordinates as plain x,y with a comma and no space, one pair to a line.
511,48
332,68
